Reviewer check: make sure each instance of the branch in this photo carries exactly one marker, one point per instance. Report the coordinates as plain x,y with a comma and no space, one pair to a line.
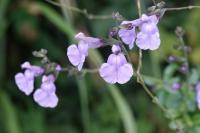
81,11
182,8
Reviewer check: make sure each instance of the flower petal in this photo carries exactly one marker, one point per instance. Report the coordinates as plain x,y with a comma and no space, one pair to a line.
37,71
148,41
73,54
128,36
92,42
45,99
124,73
117,60
108,73
25,82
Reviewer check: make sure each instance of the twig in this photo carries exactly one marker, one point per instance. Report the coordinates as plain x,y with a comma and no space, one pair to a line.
139,8
86,70
140,51
182,8
81,11
140,79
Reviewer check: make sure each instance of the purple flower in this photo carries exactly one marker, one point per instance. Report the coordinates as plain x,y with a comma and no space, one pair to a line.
172,58
197,86
58,68
176,86
35,69
148,37
128,35
45,96
116,70
184,68
148,41
77,54
90,41
25,81
148,24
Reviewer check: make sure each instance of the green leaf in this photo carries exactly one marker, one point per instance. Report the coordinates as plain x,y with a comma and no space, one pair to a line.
9,114
194,76
84,104
169,71
56,19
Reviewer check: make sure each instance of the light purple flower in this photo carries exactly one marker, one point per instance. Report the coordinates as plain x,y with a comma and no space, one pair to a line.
197,87
128,36
35,69
45,96
148,24
184,68
77,54
176,86
90,41
116,70
172,58
58,68
25,82
148,41
148,37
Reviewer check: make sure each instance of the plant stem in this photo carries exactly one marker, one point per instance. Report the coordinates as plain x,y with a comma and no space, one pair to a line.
182,8
186,58
140,79
81,11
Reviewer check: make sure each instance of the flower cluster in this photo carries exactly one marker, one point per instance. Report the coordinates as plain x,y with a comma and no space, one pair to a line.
148,36
77,54
116,70
45,96
143,31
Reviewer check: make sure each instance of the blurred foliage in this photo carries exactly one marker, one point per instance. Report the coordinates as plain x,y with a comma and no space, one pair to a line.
28,25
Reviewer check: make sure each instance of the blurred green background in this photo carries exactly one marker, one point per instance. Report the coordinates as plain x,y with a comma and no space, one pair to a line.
86,105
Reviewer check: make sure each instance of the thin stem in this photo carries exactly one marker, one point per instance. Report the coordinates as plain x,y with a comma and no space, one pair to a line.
140,80
126,53
95,70
86,70
154,98
139,7
182,8
140,51
81,11
186,62
139,62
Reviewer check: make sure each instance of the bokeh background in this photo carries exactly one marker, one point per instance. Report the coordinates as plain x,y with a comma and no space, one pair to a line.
86,104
